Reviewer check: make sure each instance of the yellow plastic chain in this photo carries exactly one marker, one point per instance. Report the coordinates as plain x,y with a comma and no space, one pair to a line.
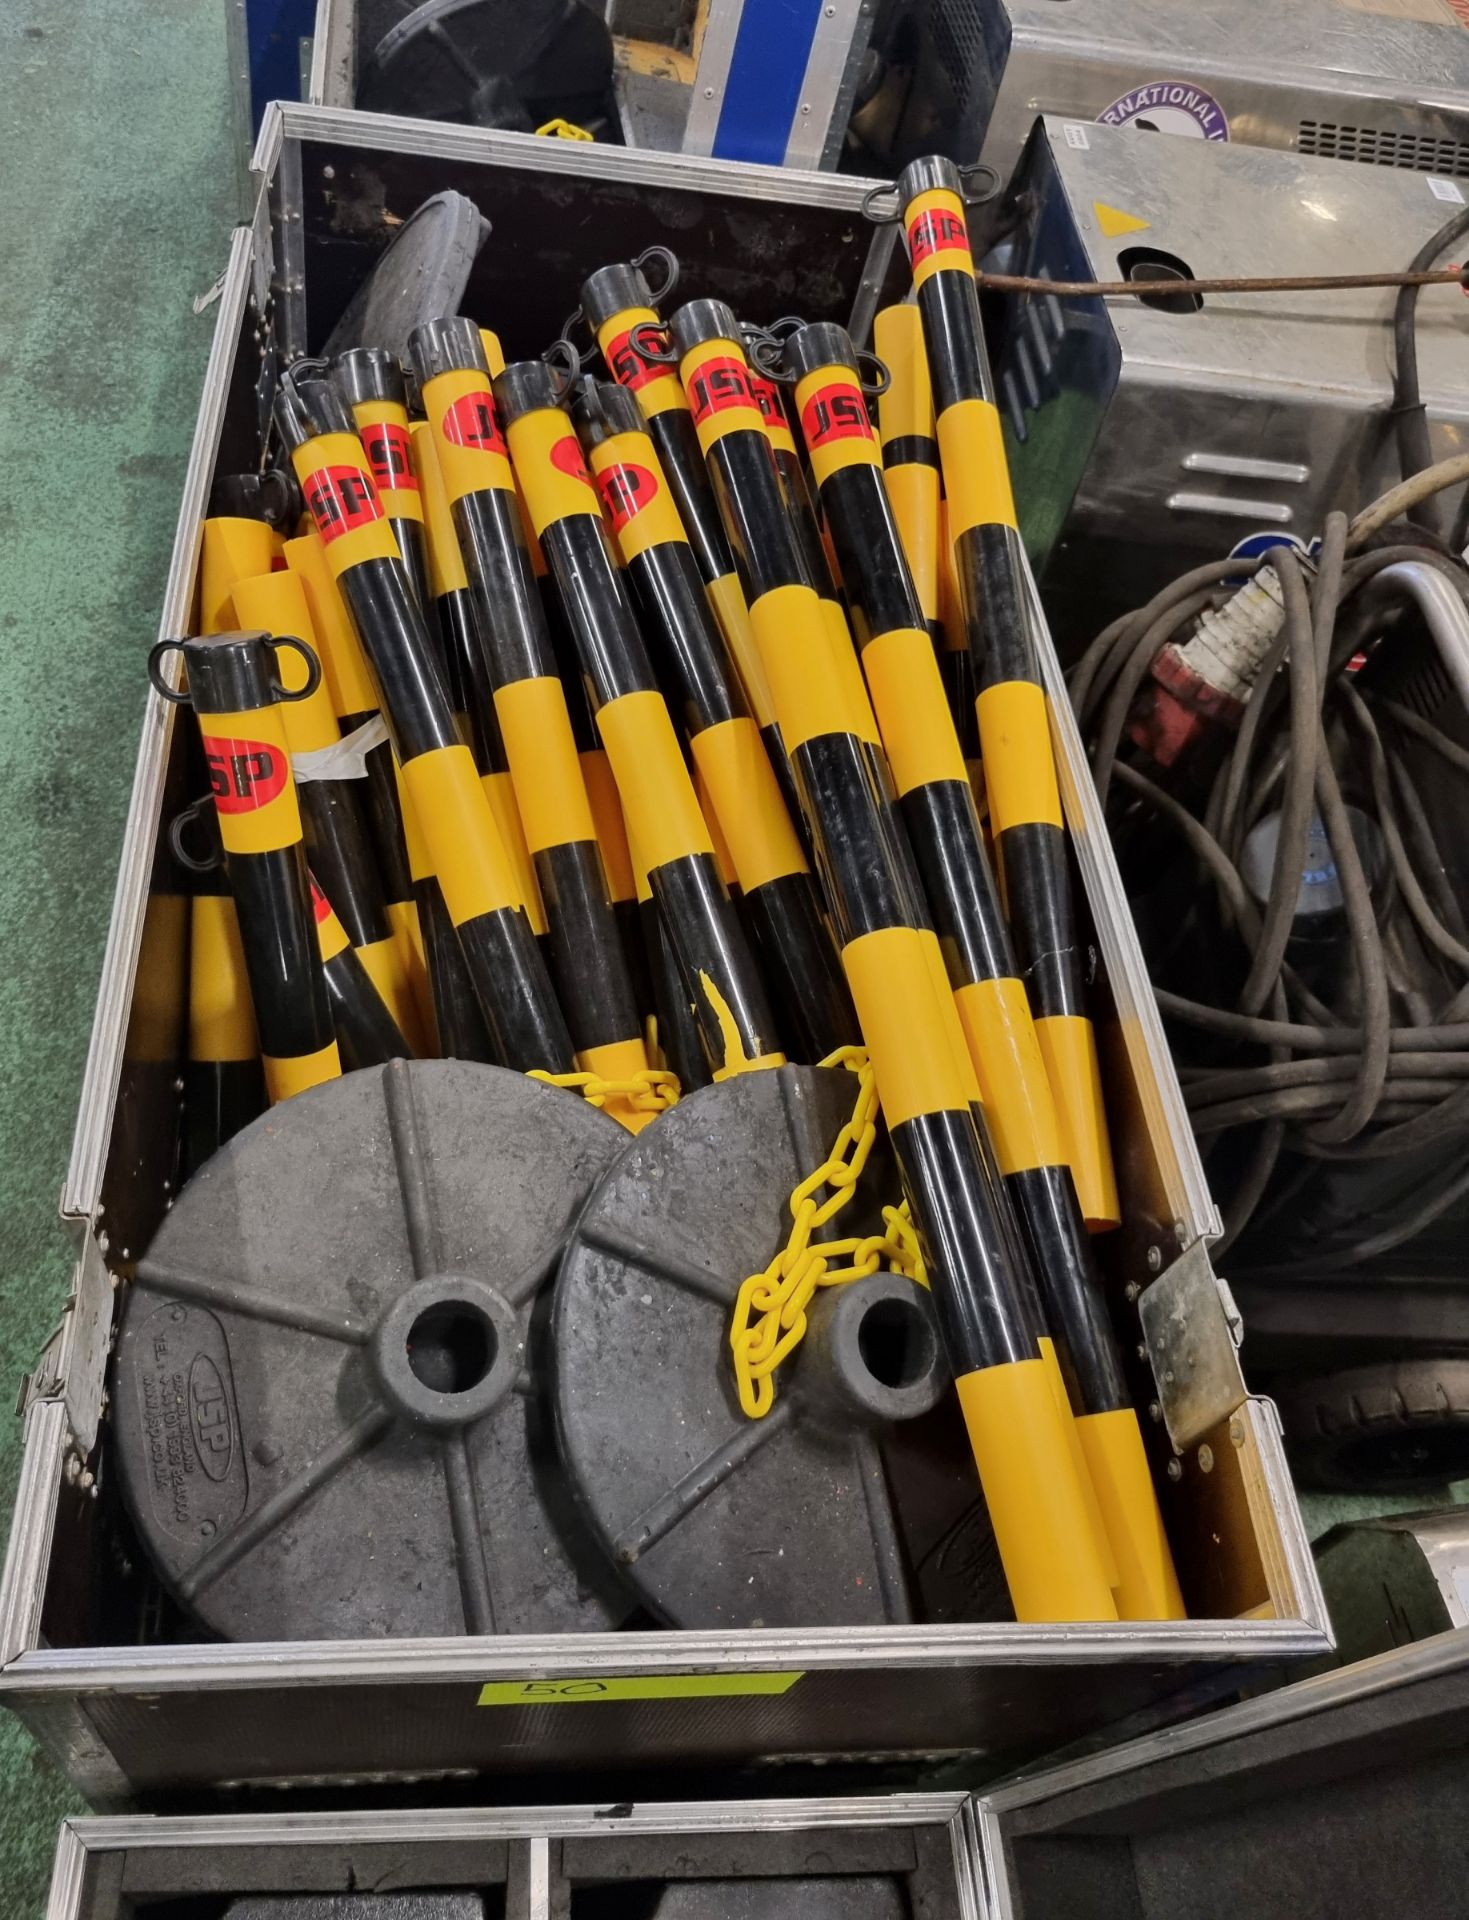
653,1090
770,1311
560,129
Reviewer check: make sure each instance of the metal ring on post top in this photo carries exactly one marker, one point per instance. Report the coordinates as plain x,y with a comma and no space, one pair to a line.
176,828
967,176
766,354
670,266
575,318
877,387
313,668
637,339
564,360
870,201
176,696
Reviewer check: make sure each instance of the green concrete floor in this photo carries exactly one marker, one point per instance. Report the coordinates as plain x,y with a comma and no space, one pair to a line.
117,162
120,191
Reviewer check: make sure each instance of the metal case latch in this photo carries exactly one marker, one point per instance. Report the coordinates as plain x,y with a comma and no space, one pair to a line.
1193,1331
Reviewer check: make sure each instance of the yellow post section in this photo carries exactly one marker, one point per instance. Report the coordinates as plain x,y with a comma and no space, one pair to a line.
1147,1586
612,840
795,649
716,378
385,966
847,674
408,938
544,765
250,774
905,412
549,469
747,803
1101,1545
331,935
286,1077
382,427
723,858
500,792
276,604
912,709
937,235
467,436
1036,1505
459,832
976,472
726,597
1068,1044
233,548
348,676
1019,1108
341,495
445,562
1019,770
221,1018
655,387
658,799
905,1024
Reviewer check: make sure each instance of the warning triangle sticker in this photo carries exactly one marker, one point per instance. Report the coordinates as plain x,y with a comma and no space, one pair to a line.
1113,221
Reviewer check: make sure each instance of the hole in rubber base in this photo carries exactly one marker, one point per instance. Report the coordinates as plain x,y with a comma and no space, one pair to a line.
896,1342
451,1347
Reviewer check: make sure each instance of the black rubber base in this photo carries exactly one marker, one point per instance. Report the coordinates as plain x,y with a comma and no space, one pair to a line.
835,1507
326,1387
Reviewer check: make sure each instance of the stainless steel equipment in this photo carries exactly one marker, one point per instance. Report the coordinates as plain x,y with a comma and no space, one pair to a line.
1347,1793
1148,436
1385,82
107,1682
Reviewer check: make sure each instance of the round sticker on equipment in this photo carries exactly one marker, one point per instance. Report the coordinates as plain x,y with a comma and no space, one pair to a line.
1169,106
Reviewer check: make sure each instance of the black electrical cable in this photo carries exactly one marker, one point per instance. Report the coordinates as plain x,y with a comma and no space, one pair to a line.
1410,417
1295,1078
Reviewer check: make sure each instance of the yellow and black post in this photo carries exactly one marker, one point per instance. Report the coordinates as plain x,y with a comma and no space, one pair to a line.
465,661
749,810
1017,1428
819,569
1014,729
233,689
459,1026
439,775
224,1082
354,699
910,449
937,808
585,947
371,382
331,785
615,301
664,822
367,1033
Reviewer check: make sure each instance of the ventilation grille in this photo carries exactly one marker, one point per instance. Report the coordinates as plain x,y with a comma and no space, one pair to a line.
1416,152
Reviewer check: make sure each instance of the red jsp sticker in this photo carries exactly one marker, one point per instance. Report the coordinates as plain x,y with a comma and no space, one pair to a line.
386,446
472,422
718,385
320,905
837,412
625,489
627,365
566,457
244,774
341,499
936,230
